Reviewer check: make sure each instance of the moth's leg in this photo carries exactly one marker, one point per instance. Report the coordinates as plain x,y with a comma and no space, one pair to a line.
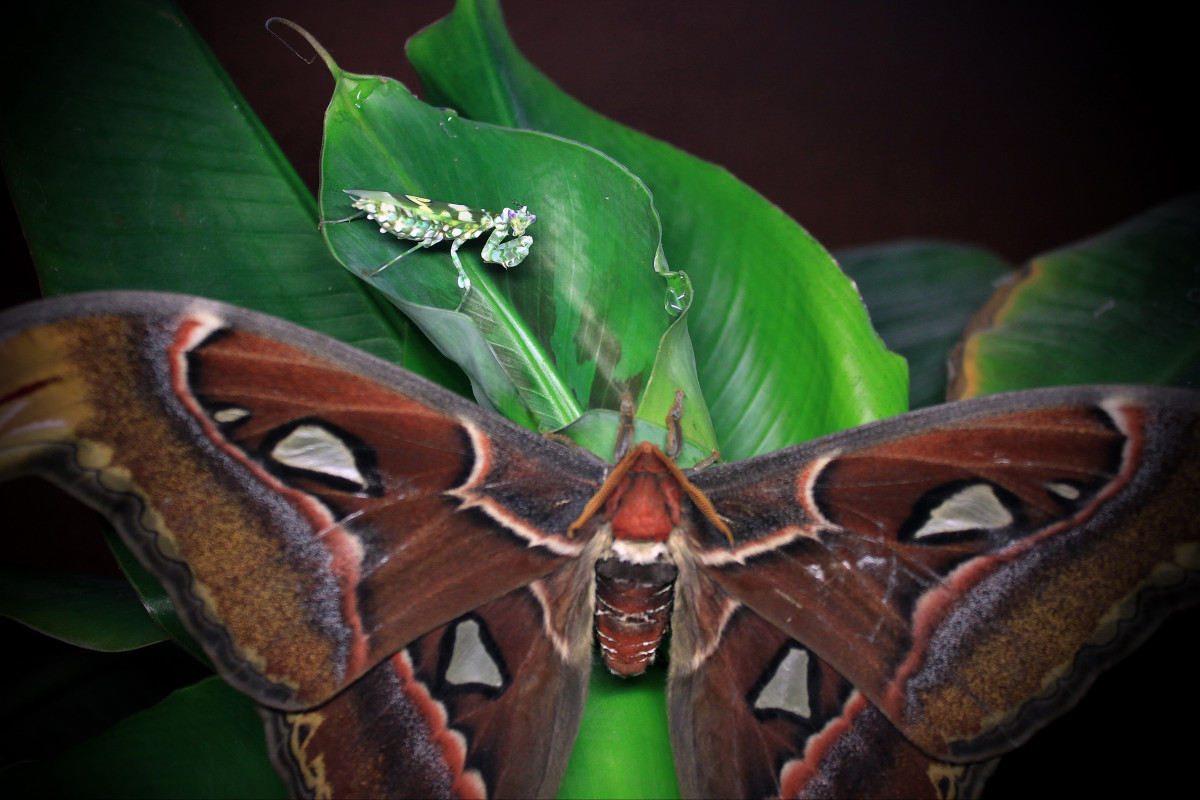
625,429
675,434
675,427
416,246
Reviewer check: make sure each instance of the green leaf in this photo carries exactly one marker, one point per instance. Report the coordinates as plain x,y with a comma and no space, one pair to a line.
920,296
183,190
604,771
574,325
675,371
148,171
89,611
203,741
782,344
597,431
60,695
1122,307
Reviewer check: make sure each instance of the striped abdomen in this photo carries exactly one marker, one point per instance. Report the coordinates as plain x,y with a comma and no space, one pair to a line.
633,605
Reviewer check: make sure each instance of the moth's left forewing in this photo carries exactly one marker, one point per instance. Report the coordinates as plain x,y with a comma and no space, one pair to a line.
970,568
383,566
310,509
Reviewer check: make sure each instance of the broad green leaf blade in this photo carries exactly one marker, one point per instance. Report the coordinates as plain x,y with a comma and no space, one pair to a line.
89,611
578,321
147,170
605,771
749,303
459,337
675,371
920,296
1123,307
204,742
597,431
783,346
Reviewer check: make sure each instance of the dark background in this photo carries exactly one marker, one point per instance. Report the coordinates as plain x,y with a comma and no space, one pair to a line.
1022,127
1018,126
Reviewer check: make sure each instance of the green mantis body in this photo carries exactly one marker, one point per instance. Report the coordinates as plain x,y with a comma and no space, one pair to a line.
427,222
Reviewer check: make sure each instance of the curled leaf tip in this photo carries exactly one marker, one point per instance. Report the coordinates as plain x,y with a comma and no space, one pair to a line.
321,51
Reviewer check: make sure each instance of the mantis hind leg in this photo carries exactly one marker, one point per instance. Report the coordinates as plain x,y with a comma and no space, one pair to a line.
350,218
464,282
402,255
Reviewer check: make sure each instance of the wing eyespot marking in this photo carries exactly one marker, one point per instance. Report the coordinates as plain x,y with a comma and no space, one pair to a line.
318,450
800,691
785,686
470,660
960,510
1064,491
229,416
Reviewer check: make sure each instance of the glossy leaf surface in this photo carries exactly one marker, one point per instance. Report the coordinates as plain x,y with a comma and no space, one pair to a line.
203,741
1123,306
773,318
578,322
90,611
183,188
920,296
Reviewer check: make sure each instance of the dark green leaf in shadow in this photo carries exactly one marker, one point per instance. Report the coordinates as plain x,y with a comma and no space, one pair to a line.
58,695
674,371
148,171
1122,307
203,741
574,325
920,296
458,336
91,611
783,346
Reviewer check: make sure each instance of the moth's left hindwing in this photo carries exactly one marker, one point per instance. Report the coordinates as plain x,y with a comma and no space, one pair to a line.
486,706
311,510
